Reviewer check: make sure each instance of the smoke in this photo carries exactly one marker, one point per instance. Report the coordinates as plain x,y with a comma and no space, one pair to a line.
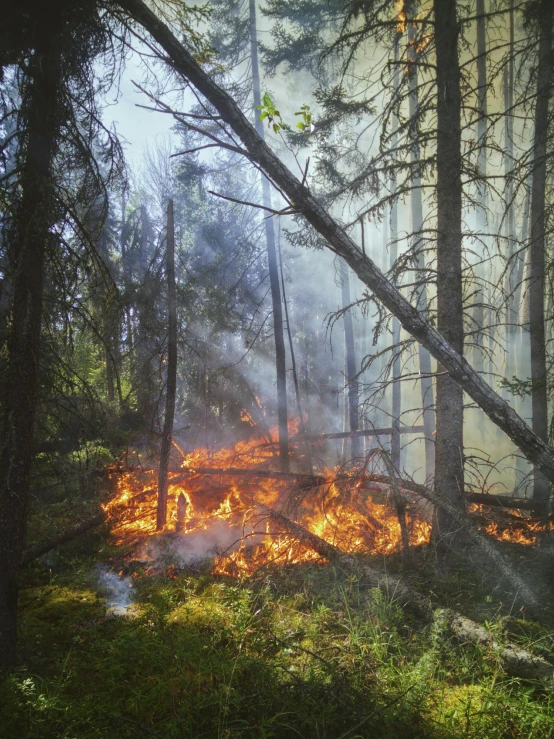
193,547
118,590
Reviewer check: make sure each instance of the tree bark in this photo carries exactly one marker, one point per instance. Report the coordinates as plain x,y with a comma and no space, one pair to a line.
278,333
425,369
31,232
534,448
449,453
539,398
171,390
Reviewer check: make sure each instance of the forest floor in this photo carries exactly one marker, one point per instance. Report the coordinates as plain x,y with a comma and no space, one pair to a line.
113,649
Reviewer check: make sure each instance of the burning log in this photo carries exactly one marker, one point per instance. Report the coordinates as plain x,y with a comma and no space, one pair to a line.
399,499
182,506
514,660
417,602
309,480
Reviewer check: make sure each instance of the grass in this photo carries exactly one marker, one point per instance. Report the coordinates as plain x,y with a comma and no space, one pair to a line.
299,652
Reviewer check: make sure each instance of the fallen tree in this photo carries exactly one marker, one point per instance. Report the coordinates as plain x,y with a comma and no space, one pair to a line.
81,527
63,536
514,660
473,533
504,501
300,200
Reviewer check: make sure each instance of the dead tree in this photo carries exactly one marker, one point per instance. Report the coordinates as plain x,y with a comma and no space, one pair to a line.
427,393
278,332
171,386
396,368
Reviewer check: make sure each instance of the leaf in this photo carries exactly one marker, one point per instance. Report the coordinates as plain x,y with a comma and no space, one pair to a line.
267,101
300,125
276,127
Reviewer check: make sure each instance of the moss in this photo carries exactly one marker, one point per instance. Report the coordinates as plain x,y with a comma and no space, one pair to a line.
301,652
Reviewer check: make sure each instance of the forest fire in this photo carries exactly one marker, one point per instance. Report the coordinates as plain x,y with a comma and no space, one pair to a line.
225,501
220,505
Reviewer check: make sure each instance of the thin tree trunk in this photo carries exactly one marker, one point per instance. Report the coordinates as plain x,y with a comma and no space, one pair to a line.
278,331
396,366
500,412
537,258
449,454
512,259
31,232
481,215
351,366
425,369
294,370
171,389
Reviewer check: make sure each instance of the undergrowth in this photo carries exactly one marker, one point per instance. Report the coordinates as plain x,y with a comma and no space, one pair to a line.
299,652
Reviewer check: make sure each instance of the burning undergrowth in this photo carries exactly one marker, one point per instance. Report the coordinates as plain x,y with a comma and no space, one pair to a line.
220,507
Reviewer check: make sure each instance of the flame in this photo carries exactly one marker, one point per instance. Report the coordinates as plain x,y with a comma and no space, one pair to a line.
237,501
340,510
400,17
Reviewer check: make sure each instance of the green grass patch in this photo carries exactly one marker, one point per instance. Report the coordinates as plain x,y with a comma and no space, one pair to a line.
301,652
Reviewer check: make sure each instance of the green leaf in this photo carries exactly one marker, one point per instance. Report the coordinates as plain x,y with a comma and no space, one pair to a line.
267,101
300,125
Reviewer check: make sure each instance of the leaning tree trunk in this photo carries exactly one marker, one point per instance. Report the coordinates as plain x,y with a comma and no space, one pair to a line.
272,263
171,389
31,232
353,414
537,256
425,369
449,454
303,202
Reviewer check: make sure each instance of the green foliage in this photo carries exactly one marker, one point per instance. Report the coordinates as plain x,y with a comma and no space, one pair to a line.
270,113
275,121
306,652
521,388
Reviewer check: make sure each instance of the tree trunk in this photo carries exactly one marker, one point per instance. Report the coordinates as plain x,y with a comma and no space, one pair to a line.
537,256
350,364
449,454
481,215
425,369
294,369
278,332
500,412
167,434
31,232
512,257
396,365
